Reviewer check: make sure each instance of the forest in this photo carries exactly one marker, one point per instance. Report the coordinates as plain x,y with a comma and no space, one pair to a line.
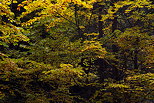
76,51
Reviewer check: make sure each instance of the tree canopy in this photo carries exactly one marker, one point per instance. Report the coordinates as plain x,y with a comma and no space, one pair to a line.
76,51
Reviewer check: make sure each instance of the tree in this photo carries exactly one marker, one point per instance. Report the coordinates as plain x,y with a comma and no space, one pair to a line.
82,51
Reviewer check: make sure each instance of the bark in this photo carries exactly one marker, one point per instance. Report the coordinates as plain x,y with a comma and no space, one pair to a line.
100,23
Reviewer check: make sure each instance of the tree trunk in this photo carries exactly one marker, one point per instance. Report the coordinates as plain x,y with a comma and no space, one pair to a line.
100,23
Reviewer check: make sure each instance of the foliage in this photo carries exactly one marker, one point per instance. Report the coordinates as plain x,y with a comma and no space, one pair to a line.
9,33
76,51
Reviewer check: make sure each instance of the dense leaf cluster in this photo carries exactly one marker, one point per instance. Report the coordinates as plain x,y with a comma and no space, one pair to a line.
76,51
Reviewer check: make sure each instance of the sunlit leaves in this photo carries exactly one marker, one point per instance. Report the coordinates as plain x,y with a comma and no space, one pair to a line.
142,84
66,52
94,48
113,85
9,32
47,8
